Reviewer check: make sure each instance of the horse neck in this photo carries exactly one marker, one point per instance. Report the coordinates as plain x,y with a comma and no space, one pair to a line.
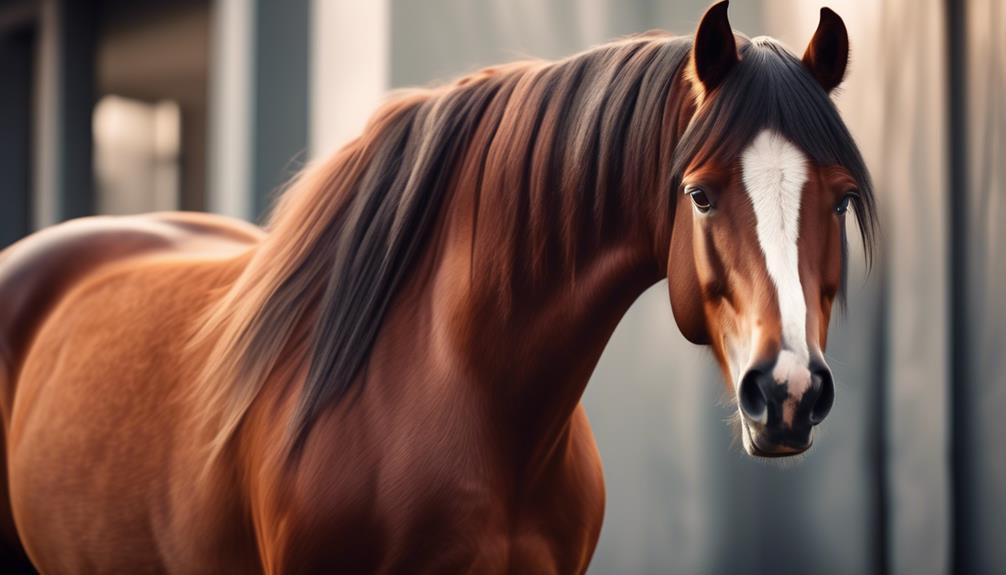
529,299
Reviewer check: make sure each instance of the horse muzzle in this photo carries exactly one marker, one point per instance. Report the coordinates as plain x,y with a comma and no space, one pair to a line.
781,404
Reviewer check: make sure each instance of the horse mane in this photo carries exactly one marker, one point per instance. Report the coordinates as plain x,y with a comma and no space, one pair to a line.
552,150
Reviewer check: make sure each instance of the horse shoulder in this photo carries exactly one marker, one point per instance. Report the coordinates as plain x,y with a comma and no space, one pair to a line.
348,509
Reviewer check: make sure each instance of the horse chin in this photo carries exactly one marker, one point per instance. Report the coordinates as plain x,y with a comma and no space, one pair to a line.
777,453
756,446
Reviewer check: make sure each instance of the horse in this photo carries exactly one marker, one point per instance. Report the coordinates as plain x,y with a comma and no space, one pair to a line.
388,377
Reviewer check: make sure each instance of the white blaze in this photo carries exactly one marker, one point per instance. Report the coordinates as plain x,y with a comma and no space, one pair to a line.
774,173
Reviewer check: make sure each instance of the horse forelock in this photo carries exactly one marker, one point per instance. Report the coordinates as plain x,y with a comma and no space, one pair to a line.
771,89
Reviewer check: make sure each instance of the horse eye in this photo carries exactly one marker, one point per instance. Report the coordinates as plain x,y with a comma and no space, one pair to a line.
700,199
843,205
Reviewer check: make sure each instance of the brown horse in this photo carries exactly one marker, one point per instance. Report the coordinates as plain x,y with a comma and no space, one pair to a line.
388,380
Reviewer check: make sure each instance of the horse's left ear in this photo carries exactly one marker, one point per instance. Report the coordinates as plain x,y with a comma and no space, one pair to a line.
827,54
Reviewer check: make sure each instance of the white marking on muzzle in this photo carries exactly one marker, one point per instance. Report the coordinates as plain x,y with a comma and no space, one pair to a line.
774,173
792,371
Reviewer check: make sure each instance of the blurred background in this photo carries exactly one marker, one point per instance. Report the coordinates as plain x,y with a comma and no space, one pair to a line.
116,106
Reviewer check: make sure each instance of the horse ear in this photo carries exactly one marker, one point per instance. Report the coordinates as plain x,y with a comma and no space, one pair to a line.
827,54
714,51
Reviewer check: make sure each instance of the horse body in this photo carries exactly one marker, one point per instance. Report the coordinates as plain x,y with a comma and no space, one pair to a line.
389,379
403,479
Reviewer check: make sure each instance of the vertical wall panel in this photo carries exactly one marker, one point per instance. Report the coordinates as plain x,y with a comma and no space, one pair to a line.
260,101
65,98
16,51
77,88
349,68
913,178
282,102
231,101
983,427
46,131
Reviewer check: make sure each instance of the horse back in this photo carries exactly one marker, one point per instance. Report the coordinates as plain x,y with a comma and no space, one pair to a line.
37,272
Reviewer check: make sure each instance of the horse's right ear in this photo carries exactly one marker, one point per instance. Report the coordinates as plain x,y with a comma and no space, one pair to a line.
714,52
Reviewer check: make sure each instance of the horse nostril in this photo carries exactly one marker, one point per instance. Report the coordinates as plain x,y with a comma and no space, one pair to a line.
753,402
824,387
